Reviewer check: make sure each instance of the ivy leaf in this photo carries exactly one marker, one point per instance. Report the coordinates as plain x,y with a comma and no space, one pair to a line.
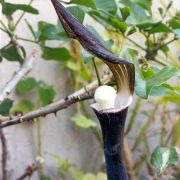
88,3
10,53
46,93
163,157
5,107
82,121
8,9
22,107
26,85
77,12
58,54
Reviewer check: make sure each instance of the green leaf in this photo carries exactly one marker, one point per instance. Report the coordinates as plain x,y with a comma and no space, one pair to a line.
83,121
146,81
125,12
154,27
5,107
88,3
163,157
144,4
9,52
23,107
107,19
108,6
59,54
8,8
47,31
160,27
46,93
161,90
26,85
175,25
161,77
138,12
77,12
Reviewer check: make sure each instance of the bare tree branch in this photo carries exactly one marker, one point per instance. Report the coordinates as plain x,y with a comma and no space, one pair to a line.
4,155
81,95
28,171
24,69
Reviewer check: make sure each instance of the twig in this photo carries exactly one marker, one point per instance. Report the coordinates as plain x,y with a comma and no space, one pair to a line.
22,72
29,172
21,16
3,29
135,43
81,95
28,40
4,155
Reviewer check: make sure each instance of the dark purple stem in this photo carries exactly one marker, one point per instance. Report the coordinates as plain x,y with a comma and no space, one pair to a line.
112,126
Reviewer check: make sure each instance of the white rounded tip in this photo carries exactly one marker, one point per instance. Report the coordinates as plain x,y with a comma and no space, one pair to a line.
105,97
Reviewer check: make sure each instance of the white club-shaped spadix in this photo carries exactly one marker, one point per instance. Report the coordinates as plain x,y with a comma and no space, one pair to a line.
105,97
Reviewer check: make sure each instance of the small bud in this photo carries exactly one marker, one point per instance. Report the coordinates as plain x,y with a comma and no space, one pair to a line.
105,97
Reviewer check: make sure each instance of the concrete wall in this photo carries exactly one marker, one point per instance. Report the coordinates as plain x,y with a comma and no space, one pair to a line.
59,135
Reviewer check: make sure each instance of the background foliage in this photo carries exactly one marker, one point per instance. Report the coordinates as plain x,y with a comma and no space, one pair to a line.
131,30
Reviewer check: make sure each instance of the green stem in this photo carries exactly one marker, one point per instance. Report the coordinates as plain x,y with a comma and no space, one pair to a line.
97,73
135,43
28,40
3,30
163,45
159,62
133,115
144,129
21,16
